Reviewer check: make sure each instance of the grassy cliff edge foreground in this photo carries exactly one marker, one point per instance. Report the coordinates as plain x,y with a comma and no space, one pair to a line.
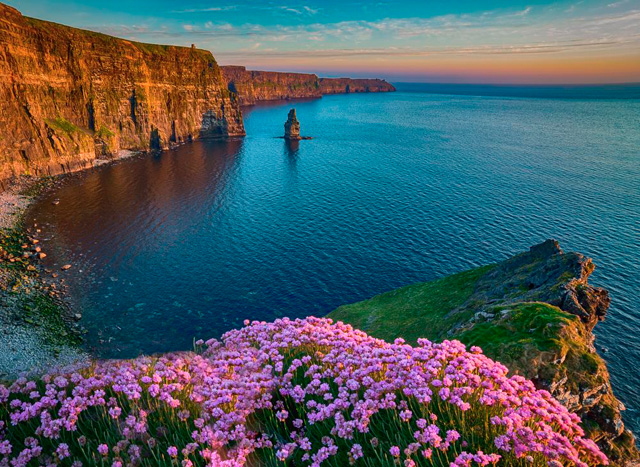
533,312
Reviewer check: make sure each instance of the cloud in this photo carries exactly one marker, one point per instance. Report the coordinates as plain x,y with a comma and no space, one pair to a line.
617,4
207,10
524,12
304,10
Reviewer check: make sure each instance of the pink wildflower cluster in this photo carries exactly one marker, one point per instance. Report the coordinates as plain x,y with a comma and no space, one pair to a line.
303,392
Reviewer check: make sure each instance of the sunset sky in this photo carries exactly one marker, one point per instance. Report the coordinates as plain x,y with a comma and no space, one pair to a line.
465,41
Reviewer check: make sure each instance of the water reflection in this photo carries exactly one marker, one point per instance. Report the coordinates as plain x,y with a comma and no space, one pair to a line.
113,227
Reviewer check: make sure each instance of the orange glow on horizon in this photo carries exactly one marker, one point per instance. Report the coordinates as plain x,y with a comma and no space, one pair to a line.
496,68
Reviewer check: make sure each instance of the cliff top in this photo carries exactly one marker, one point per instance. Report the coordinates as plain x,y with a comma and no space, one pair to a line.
12,15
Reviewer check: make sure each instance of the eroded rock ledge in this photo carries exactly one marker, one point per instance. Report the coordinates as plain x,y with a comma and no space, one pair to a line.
535,313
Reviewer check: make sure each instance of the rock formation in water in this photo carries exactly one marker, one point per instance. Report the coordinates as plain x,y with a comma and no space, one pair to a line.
69,96
254,86
535,313
292,127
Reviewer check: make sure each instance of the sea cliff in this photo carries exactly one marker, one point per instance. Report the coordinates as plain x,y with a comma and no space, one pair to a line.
535,313
69,96
255,86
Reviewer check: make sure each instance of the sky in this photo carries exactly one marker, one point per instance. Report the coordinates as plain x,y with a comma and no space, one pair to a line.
453,41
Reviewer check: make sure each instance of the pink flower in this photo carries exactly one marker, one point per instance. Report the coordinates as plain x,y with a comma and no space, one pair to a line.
62,450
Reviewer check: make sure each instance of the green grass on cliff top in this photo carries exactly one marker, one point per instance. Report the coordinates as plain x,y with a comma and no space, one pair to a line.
525,326
425,311
414,311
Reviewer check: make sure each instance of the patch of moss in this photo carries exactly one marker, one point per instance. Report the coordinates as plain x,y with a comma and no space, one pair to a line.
60,123
415,311
104,132
526,326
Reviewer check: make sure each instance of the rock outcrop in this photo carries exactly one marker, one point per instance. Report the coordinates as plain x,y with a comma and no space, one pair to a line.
292,127
572,372
69,96
255,86
535,313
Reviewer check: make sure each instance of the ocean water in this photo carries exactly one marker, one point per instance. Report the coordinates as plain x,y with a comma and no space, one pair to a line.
393,189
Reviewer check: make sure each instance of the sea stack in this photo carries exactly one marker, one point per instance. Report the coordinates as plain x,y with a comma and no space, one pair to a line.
292,127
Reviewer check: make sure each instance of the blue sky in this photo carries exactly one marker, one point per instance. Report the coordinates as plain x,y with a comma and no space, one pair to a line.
443,41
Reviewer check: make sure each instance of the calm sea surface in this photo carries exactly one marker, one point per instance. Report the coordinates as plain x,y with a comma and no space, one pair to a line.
393,189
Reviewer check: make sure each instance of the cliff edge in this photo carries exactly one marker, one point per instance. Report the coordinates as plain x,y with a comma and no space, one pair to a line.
70,96
534,313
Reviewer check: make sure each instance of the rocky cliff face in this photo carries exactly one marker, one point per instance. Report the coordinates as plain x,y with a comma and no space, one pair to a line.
69,96
255,86
348,85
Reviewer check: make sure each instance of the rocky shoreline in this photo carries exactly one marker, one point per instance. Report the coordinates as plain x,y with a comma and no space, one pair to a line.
38,328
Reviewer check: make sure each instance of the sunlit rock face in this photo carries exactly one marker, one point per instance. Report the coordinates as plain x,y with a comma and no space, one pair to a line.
69,96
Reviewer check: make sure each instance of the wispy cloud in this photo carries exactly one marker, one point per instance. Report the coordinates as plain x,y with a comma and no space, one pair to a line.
304,10
524,12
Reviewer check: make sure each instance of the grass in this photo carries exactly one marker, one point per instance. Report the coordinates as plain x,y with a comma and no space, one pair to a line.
62,124
104,132
525,326
534,339
415,311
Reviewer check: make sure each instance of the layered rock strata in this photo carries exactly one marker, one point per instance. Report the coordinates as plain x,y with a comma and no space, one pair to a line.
69,96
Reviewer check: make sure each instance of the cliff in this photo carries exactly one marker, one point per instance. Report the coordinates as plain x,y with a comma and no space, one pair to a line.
69,96
534,313
254,86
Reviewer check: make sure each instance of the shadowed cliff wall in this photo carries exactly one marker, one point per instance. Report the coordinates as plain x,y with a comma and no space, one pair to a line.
69,96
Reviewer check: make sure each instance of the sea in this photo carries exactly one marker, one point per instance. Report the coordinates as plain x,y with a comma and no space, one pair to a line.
393,189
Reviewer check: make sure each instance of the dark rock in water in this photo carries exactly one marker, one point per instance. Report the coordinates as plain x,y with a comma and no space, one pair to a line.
292,127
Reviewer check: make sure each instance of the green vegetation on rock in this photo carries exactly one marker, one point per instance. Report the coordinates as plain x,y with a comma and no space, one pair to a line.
525,325
415,311
62,124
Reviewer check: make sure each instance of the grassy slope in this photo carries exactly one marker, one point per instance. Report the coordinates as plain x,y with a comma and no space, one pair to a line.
414,311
